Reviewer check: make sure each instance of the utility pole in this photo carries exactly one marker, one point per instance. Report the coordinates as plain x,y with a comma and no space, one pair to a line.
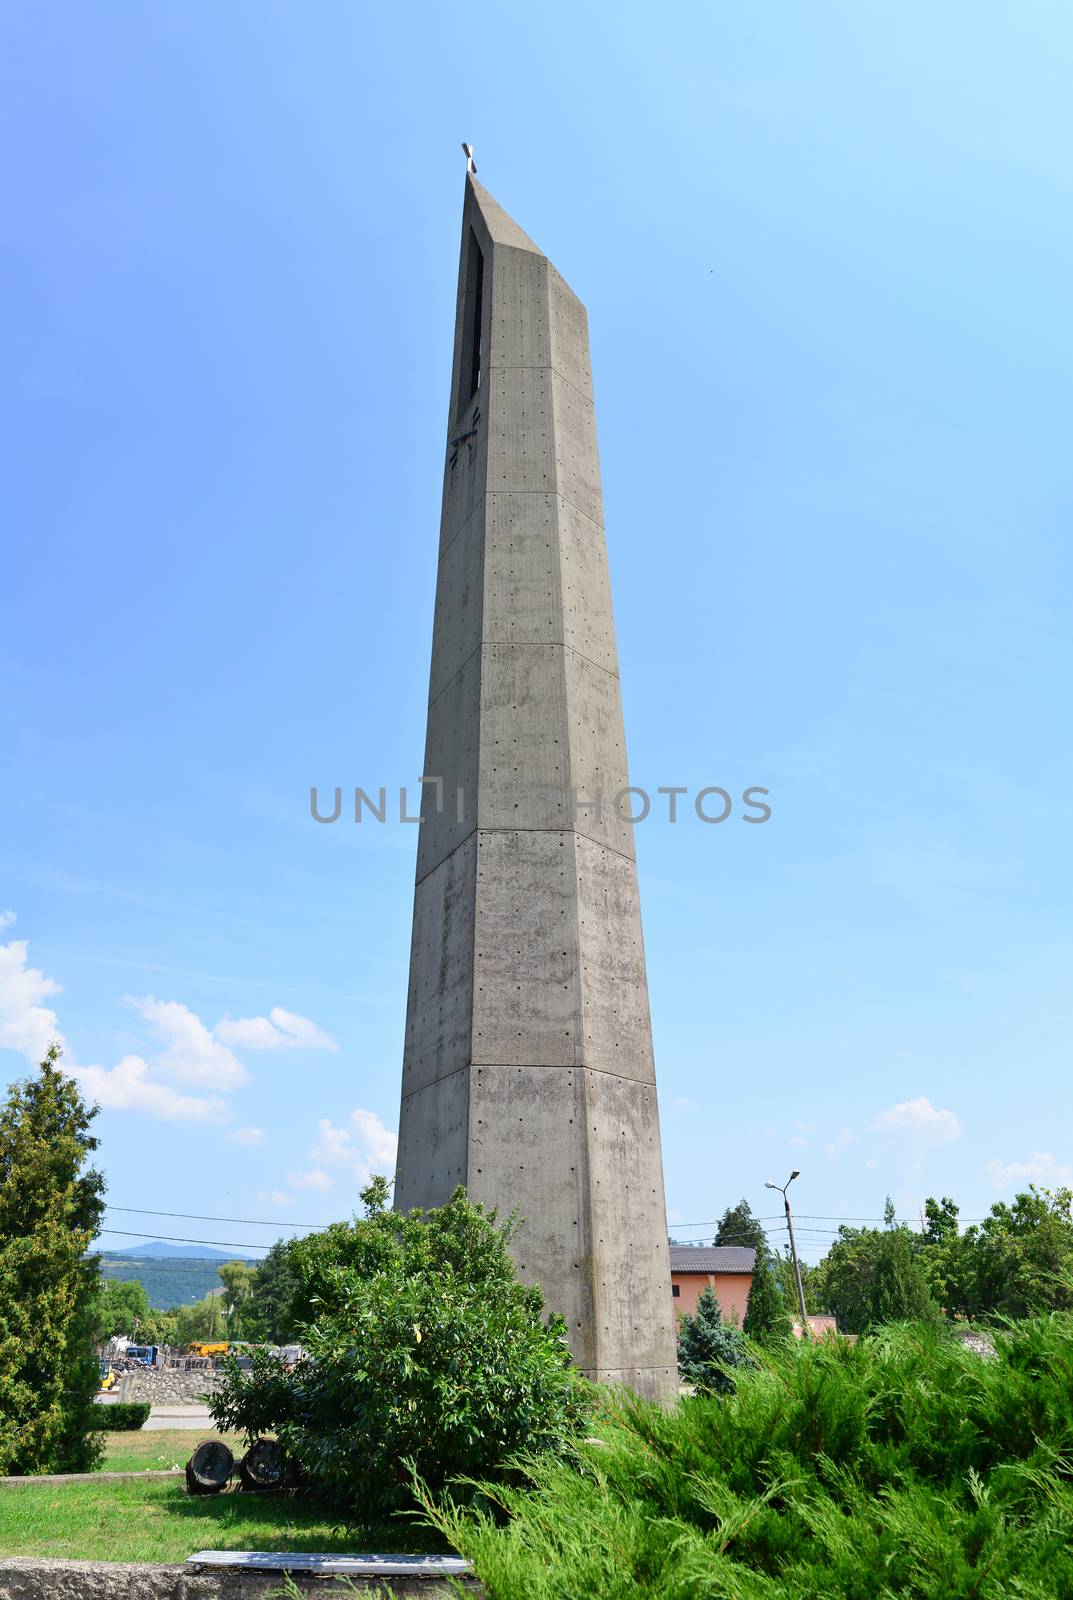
781,1189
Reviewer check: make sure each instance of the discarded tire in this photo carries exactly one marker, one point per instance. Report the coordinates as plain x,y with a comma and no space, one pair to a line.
209,1468
262,1466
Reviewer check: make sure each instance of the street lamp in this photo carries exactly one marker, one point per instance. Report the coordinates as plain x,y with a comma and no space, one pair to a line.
781,1188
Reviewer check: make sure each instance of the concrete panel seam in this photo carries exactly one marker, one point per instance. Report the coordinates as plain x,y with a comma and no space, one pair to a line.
535,644
555,493
576,833
478,505
455,1072
451,852
460,669
543,366
522,644
583,1066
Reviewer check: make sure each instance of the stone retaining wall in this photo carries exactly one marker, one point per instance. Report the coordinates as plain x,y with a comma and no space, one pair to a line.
163,1386
24,1578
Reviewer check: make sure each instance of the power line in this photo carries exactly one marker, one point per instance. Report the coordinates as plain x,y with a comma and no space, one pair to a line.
320,1227
715,1223
171,1238
738,1239
194,1216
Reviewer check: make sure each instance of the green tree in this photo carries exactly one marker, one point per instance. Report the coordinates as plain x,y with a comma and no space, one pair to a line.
268,1313
50,1210
767,1319
783,1267
238,1279
1022,1256
874,1276
202,1320
159,1327
708,1349
119,1310
423,1348
947,1257
737,1225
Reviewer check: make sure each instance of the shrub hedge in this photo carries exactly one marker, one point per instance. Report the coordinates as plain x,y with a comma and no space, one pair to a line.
121,1416
903,1465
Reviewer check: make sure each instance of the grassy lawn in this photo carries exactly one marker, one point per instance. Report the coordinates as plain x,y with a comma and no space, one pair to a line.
157,1521
153,1450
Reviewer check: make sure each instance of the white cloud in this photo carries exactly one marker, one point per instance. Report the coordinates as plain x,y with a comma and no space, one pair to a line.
798,1142
280,1030
379,1146
332,1144
129,1086
365,1145
1040,1168
134,1084
921,1118
25,1024
315,1178
841,1139
192,1054
247,1136
276,1198
7,920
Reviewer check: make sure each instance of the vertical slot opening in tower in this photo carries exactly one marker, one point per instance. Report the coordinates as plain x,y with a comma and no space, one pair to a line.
470,369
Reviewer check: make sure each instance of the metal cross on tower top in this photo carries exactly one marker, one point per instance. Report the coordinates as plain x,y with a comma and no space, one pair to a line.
471,165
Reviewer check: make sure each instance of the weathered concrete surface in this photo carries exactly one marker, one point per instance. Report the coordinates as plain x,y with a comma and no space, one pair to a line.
30,1578
191,1418
528,1073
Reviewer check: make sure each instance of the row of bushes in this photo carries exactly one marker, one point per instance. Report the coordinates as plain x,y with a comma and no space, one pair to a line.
120,1416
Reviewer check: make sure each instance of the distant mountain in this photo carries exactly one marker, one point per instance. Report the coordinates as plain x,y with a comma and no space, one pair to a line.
159,1251
177,1279
173,1281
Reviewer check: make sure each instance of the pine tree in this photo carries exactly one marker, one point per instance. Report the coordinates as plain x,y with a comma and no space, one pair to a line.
708,1349
766,1317
739,1226
50,1210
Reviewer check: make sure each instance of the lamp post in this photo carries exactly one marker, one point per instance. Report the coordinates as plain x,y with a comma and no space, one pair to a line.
781,1189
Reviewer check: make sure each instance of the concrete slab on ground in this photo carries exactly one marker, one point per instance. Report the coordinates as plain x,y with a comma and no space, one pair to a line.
192,1417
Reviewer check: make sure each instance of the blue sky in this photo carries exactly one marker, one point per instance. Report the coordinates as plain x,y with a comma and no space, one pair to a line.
826,252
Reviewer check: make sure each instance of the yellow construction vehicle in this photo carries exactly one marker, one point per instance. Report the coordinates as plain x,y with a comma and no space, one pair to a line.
206,1347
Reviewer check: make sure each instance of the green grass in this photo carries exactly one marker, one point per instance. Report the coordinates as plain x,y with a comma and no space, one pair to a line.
157,1521
156,1449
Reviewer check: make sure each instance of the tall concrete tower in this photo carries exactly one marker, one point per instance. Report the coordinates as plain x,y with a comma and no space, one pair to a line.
528,1073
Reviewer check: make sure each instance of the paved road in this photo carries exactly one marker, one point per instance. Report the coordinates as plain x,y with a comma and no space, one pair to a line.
192,1417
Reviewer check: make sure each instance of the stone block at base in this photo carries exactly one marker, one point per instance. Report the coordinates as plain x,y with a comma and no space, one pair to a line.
29,1578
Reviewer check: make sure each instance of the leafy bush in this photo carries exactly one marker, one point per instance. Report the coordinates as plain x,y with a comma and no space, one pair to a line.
900,1465
709,1349
121,1416
423,1348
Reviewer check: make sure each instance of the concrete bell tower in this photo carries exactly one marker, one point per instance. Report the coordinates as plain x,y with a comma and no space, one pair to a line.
528,1073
